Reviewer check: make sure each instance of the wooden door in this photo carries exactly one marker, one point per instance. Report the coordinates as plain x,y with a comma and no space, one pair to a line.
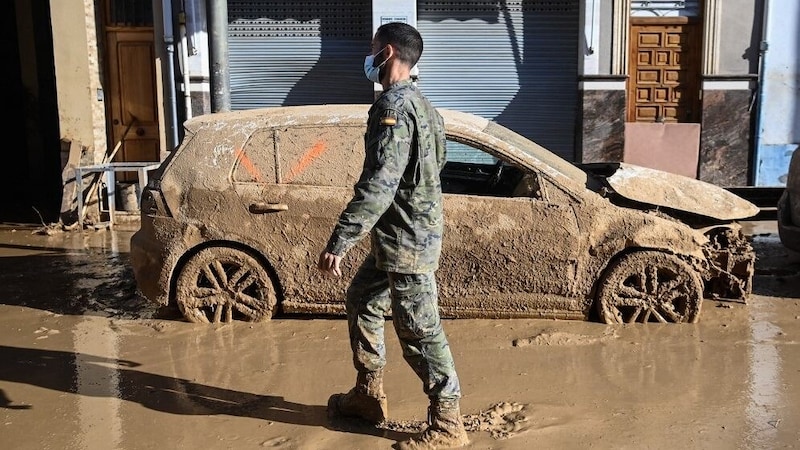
664,82
131,88
132,95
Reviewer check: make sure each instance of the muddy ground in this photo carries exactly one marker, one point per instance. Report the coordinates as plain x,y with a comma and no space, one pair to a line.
85,363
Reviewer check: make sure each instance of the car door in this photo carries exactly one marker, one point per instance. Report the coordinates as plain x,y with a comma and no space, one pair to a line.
309,179
511,240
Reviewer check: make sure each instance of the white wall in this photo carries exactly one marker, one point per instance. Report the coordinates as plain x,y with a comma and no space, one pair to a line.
779,100
740,34
81,107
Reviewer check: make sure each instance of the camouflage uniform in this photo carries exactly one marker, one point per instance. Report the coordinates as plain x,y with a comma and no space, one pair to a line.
398,201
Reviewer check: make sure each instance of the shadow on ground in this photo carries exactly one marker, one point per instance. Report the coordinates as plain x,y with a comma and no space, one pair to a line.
55,370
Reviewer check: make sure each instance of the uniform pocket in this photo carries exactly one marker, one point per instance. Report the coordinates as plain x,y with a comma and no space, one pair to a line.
415,309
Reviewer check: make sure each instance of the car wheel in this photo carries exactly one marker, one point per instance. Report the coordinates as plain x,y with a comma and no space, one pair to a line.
649,287
222,284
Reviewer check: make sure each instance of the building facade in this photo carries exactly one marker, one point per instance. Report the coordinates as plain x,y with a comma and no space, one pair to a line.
675,85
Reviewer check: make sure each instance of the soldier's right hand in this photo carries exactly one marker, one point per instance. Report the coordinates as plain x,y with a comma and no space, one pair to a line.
328,264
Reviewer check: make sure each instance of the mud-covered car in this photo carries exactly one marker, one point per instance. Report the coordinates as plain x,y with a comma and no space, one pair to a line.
234,219
789,207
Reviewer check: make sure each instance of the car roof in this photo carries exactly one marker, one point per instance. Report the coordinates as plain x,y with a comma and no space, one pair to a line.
466,125
282,116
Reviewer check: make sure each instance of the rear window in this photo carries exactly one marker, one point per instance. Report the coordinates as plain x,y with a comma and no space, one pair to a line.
159,172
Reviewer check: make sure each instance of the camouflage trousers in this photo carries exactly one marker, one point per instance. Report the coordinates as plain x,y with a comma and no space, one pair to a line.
412,300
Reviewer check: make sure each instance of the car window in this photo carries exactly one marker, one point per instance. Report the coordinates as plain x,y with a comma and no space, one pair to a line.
255,163
470,170
320,156
463,153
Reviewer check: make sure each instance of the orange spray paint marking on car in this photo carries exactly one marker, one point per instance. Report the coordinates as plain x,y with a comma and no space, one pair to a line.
248,165
315,152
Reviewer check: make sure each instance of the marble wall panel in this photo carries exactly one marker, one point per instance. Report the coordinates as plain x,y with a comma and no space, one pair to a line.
725,140
603,127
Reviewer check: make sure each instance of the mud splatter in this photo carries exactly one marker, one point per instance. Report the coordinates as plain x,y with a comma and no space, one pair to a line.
45,332
280,441
501,420
556,337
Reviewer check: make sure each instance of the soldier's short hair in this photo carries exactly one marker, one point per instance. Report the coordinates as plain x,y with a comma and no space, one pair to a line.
404,38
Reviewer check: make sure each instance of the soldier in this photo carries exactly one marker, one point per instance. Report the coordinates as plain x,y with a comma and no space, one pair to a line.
398,202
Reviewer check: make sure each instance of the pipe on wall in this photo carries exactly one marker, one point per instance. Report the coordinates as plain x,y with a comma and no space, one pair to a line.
170,102
187,89
218,53
763,48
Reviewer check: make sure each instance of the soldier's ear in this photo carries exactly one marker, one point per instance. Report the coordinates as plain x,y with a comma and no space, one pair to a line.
389,51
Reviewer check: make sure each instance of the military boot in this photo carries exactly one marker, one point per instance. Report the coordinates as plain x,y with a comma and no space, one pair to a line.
445,429
365,401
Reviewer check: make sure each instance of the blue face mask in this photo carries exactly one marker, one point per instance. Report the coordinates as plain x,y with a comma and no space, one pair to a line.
373,73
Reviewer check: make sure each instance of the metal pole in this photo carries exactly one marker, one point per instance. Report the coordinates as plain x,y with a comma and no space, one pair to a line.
218,55
762,56
184,65
171,121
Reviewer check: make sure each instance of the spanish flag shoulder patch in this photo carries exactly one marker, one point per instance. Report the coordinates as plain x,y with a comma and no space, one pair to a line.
388,121
388,118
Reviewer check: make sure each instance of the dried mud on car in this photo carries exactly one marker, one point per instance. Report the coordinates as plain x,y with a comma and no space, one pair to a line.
234,220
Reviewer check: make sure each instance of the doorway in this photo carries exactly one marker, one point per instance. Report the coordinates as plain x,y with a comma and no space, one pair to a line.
131,88
30,188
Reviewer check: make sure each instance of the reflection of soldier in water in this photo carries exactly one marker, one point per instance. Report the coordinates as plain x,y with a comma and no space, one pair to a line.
334,76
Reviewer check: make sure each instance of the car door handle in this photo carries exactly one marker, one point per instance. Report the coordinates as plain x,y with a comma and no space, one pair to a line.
264,208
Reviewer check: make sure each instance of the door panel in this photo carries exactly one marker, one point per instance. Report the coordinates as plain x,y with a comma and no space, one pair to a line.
288,175
292,238
664,71
506,257
510,245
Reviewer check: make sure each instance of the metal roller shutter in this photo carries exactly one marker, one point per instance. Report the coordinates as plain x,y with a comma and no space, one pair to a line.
294,53
515,62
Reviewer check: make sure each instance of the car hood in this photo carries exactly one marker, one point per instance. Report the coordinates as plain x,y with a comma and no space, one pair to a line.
664,189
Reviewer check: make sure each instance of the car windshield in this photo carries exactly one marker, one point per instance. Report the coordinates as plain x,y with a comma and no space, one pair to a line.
536,151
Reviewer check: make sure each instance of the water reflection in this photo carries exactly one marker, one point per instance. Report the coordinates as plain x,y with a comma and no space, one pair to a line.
28,241
97,384
765,381
684,377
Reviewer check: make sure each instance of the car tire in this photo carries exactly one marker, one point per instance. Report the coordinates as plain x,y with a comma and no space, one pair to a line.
649,286
222,284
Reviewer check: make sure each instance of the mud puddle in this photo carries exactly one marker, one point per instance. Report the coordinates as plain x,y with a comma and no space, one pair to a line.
88,364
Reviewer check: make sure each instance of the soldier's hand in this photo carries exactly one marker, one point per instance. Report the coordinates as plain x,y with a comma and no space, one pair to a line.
328,264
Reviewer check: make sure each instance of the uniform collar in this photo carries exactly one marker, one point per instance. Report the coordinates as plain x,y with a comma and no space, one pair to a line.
402,83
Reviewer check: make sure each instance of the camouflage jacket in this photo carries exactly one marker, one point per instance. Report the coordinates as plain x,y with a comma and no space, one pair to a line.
398,197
